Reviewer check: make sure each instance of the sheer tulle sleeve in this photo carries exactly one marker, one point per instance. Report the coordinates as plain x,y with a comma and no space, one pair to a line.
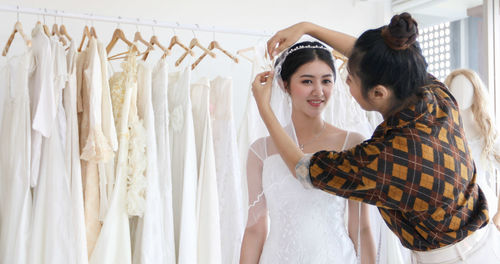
256,200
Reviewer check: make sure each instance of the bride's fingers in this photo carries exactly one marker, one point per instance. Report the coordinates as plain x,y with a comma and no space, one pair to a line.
262,77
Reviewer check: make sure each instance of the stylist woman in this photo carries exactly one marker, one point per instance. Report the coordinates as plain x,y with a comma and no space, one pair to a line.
416,168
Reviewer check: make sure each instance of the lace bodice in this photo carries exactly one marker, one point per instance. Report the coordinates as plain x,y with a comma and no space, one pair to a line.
306,225
303,221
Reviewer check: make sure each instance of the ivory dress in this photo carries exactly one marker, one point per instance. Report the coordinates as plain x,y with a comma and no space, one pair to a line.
228,169
160,107
149,241
207,202
15,138
113,243
51,230
72,157
184,167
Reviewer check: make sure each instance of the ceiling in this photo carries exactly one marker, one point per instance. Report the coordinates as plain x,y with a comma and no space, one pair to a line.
430,12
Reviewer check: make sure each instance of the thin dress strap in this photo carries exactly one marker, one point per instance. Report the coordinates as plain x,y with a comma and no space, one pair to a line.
345,140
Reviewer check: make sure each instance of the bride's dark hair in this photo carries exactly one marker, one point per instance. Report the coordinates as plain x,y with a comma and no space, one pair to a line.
302,53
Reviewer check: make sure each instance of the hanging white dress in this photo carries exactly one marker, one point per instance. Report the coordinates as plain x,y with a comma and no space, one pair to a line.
184,167
43,106
207,201
72,156
149,241
95,148
228,169
51,233
15,138
306,225
106,168
113,243
484,170
160,107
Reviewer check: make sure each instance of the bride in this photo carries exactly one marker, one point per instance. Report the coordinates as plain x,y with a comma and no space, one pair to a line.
306,225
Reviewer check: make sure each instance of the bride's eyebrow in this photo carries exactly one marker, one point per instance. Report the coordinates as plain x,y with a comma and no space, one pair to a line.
312,76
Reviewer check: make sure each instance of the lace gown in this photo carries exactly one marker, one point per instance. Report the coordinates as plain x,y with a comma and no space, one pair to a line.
15,138
306,225
227,168
113,244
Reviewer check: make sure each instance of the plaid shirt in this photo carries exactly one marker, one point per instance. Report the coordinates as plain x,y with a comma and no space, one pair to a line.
416,169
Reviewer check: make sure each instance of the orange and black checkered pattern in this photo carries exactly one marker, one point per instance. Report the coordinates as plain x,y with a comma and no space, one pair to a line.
416,169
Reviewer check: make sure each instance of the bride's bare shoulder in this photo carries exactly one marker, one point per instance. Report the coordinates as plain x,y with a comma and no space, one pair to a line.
337,135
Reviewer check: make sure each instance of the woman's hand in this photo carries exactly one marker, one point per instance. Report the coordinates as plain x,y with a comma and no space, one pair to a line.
261,89
496,220
285,38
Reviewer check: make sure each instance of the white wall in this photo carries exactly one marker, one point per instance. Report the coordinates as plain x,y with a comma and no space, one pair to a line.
349,16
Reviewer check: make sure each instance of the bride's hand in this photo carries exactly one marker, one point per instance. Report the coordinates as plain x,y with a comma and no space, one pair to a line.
261,89
496,220
285,38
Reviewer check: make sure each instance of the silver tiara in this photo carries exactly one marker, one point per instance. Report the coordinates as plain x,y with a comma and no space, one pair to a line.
305,47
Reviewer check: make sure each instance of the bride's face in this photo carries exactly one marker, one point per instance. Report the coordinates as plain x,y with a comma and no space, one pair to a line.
310,87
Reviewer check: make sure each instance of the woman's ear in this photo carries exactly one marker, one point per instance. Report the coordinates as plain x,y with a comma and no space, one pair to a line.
380,94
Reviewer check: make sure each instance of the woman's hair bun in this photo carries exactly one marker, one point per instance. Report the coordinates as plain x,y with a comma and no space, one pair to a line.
401,33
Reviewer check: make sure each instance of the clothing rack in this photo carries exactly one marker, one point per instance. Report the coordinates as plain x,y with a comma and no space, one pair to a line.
132,21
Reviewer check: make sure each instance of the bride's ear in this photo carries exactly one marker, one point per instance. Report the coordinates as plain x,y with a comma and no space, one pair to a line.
286,87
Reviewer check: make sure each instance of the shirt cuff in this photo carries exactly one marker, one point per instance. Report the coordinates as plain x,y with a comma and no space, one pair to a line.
302,171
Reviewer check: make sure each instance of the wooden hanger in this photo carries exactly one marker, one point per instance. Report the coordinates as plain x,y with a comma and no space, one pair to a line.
64,32
46,30
138,37
242,52
86,35
124,55
56,32
339,56
194,43
175,41
214,45
93,32
18,28
154,41
119,35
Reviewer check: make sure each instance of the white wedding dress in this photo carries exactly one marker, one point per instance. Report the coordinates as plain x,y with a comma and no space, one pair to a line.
149,244
15,138
184,167
160,108
207,201
306,225
228,169
113,244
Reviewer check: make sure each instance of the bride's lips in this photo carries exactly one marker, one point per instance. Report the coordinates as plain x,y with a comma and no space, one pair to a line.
315,102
